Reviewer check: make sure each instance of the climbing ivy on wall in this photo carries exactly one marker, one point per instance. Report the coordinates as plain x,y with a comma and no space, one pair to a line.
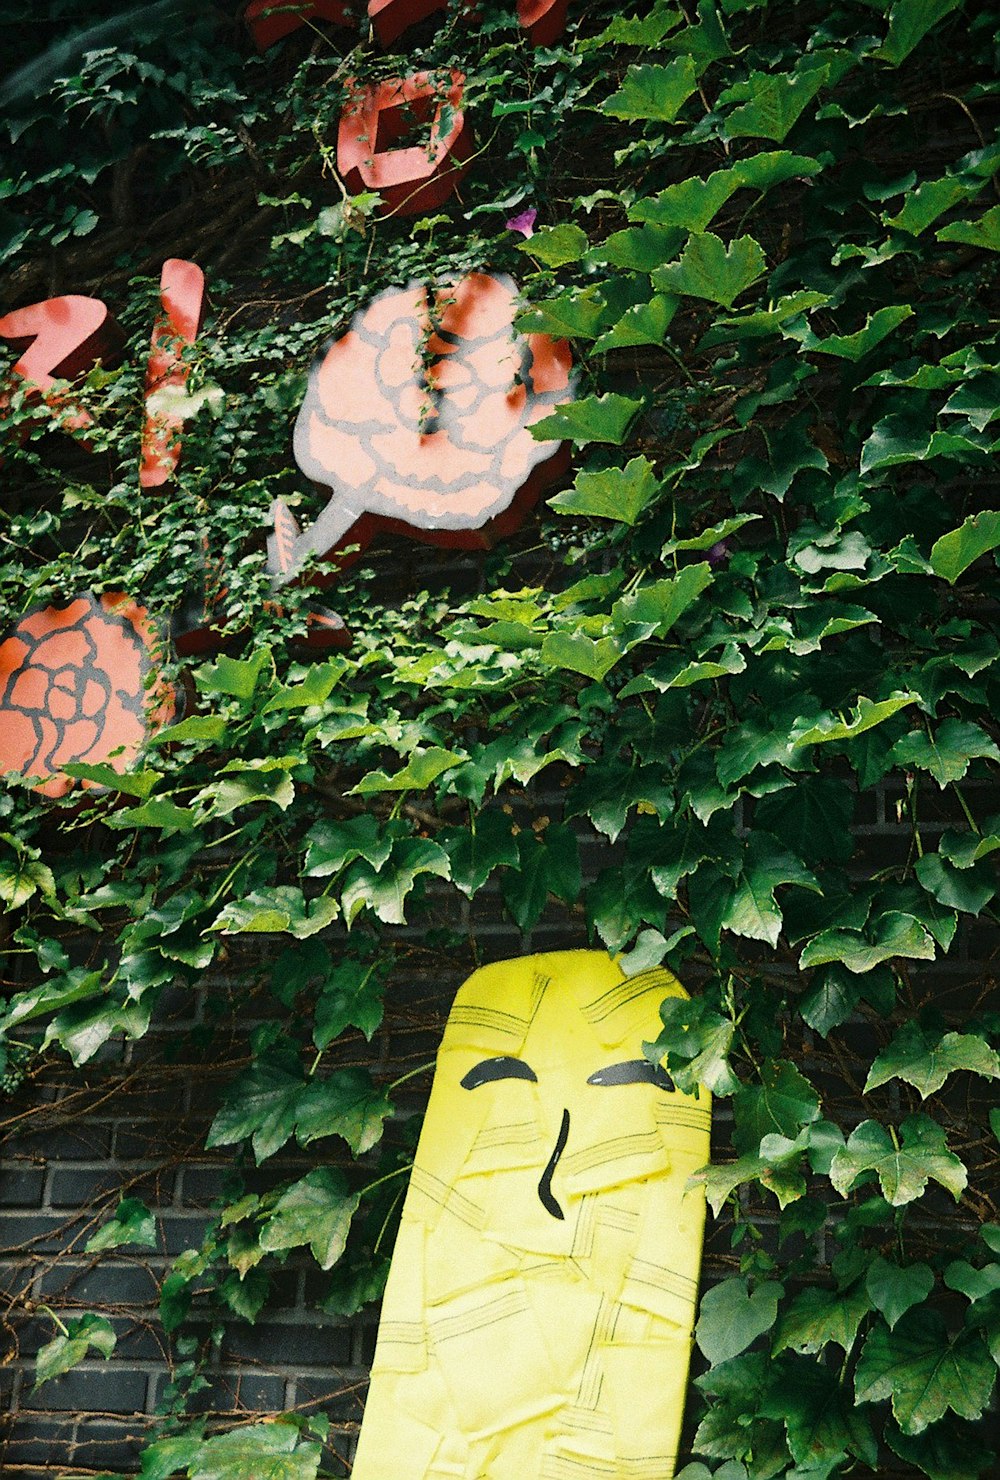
765,596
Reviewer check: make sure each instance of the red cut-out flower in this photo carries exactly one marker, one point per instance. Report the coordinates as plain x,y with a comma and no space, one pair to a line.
73,687
421,422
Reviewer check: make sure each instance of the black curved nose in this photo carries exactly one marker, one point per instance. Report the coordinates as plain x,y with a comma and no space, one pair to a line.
545,1185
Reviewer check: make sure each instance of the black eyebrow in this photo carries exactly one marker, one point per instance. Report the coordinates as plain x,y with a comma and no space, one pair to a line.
633,1071
502,1067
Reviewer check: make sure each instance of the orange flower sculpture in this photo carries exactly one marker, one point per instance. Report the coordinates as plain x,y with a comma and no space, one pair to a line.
74,687
418,420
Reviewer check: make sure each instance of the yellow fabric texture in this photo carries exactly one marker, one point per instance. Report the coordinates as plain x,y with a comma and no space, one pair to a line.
538,1314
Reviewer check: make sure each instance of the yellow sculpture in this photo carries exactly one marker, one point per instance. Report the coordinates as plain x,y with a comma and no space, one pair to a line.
537,1319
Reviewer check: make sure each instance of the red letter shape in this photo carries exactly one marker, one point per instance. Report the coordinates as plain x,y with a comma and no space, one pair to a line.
61,337
269,21
409,180
182,294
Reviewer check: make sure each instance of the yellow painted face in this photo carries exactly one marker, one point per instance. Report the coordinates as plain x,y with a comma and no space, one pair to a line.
537,1320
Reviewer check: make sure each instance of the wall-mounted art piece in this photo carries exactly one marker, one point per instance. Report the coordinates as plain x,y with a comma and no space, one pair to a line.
418,420
270,21
78,683
538,1315
543,20
182,300
372,152
61,338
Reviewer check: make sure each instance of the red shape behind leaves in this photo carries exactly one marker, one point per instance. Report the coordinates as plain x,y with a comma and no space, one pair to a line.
543,20
419,422
61,337
73,687
392,17
409,179
269,21
182,297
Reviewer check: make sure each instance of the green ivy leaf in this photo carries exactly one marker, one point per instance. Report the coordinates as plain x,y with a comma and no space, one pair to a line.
267,1451
894,1289
708,269
332,845
385,892
821,1425
783,1101
132,1223
817,1318
867,714
166,1457
926,1063
775,103
878,326
731,1317
546,866
281,910
581,654
955,551
620,494
158,812
347,1105
132,783
643,323
23,878
604,418
837,993
947,753
254,784
983,233
71,1346
556,245
317,685
948,1450
261,1104
654,92
909,22
975,1284
475,851
640,248
234,677
924,1372
969,890
317,1210
694,1046
903,1171
351,998
421,771
896,935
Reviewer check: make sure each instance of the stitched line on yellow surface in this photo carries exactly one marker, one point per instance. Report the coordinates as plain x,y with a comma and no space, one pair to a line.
446,1198
643,1142
446,1328
657,1276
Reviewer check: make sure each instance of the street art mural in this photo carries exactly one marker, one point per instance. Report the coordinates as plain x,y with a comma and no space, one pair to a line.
538,1315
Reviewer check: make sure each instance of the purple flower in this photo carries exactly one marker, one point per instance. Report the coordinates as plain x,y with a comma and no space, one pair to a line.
718,554
524,222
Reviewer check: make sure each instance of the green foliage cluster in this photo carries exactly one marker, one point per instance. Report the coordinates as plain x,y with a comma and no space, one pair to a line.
767,597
